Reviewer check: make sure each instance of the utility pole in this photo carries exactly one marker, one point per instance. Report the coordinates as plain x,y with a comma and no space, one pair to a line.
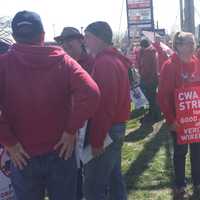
189,24
181,14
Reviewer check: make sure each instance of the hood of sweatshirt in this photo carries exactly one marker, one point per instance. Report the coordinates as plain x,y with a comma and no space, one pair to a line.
189,67
34,56
113,51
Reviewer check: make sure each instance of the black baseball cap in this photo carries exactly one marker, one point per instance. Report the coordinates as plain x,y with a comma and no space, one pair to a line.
27,25
101,30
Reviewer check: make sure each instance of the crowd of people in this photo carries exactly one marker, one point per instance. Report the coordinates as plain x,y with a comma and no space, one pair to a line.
48,93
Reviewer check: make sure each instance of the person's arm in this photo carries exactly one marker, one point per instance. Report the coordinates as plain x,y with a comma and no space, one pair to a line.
101,122
85,95
155,65
17,153
6,136
166,90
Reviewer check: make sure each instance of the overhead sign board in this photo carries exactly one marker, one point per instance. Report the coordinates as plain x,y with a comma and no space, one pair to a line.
139,4
139,15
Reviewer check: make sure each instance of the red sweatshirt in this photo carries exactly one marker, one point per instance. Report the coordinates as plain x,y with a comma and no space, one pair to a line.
198,53
111,74
148,64
162,55
37,85
171,78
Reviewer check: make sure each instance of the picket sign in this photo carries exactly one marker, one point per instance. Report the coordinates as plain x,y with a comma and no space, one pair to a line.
84,153
6,189
138,98
188,114
80,139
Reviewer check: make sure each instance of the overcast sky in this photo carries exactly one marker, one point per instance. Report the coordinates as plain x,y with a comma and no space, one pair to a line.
79,13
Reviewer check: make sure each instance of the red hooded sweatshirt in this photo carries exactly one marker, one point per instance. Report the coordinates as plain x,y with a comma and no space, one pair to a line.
171,78
43,92
148,64
162,55
111,74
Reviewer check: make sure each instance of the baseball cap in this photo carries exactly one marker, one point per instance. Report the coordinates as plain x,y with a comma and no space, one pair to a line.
27,24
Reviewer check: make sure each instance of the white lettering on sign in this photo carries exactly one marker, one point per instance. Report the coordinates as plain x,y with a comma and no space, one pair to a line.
190,137
188,119
190,95
192,130
188,114
187,105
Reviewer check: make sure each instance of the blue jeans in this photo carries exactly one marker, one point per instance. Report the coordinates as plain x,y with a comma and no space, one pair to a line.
105,171
46,173
79,194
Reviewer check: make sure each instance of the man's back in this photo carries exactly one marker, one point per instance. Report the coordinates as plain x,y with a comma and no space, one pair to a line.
148,63
111,74
38,84
45,97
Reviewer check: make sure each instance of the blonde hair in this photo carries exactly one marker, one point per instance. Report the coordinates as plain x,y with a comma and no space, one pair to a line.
180,37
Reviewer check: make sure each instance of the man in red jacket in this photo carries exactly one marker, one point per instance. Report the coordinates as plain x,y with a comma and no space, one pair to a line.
110,71
162,54
147,66
72,42
45,96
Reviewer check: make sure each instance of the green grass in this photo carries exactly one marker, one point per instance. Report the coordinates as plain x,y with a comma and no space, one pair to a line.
147,162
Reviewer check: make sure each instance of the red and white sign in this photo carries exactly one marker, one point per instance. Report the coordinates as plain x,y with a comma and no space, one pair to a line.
6,189
139,16
188,114
139,4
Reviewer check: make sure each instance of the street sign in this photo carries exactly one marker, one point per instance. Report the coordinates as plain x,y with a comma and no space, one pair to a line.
139,4
139,16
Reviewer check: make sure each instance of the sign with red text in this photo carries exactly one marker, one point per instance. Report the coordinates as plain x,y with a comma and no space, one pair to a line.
188,114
